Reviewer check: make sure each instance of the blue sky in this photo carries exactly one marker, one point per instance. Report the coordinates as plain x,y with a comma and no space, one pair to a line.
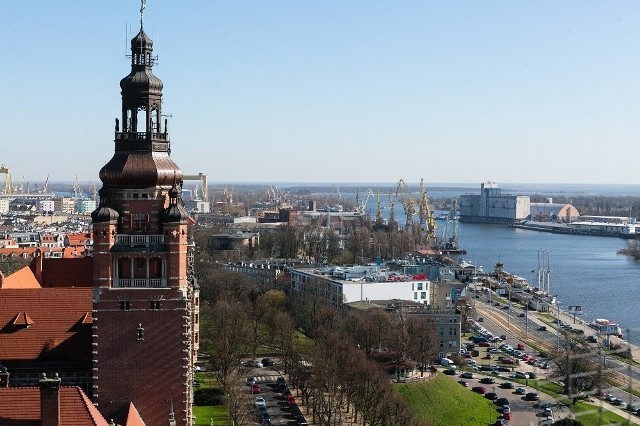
334,91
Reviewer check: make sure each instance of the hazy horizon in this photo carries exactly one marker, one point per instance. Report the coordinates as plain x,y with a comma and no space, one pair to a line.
531,92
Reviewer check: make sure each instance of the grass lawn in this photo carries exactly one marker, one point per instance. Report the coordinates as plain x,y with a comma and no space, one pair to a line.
443,402
204,414
589,415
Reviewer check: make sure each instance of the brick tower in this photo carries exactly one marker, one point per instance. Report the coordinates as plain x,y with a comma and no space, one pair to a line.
145,299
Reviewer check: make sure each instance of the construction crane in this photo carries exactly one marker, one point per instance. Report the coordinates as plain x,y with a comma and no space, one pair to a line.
427,218
408,203
203,183
361,208
45,187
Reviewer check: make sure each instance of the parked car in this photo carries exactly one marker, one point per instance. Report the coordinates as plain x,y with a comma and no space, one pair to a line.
464,383
467,375
542,328
479,389
521,391
521,375
450,372
501,402
255,363
267,362
520,347
507,416
260,402
507,385
251,380
532,396
491,396
255,389
488,380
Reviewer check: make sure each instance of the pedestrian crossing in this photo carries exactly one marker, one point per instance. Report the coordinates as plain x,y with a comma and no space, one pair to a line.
266,378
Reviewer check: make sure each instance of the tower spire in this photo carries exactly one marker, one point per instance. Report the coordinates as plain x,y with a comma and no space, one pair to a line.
143,5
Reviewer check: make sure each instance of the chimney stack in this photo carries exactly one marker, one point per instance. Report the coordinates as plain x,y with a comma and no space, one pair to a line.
50,400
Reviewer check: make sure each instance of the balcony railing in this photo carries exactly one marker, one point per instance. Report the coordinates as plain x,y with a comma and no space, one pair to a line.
139,240
141,283
141,136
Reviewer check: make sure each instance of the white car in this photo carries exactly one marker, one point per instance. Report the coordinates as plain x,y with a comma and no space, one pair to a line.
255,363
260,402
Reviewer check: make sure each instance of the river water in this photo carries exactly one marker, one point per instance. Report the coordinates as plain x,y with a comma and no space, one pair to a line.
585,271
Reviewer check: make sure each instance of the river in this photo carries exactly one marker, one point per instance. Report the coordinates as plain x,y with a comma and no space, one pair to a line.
585,271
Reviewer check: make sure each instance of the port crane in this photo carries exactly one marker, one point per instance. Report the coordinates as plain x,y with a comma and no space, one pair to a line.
8,184
408,203
427,218
202,178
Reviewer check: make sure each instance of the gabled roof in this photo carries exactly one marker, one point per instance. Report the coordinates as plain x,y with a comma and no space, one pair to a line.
56,315
21,406
22,320
22,278
133,417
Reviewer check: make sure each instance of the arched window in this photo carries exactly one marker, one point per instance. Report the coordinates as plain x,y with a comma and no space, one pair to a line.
155,267
124,268
140,268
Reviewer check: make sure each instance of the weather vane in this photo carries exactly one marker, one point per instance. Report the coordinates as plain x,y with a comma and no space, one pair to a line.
143,4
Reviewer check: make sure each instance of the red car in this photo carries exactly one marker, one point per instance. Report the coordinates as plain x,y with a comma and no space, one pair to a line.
255,389
479,389
507,361
484,344
520,347
507,416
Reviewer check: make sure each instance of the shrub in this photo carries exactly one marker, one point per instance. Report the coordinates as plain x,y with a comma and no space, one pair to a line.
207,397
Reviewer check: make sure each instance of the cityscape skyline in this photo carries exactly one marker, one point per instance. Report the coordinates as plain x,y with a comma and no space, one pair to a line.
332,92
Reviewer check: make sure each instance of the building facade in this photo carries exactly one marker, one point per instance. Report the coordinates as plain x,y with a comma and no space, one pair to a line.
492,206
145,299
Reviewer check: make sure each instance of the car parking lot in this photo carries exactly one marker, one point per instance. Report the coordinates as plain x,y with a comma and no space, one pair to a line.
274,404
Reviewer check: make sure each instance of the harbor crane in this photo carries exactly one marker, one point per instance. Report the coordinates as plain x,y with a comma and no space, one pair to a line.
202,178
427,218
408,203
8,184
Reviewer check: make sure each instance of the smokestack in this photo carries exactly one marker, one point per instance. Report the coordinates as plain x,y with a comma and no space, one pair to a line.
50,401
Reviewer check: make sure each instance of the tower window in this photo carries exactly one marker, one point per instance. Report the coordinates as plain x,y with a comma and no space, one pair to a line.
125,305
140,332
154,304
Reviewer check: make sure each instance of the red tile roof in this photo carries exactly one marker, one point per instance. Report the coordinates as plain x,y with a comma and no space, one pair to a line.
21,406
57,316
22,278
133,417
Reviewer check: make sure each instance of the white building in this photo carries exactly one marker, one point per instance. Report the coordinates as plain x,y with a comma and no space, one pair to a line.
492,206
45,205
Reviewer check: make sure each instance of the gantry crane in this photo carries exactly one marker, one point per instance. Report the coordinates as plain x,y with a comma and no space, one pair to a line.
203,183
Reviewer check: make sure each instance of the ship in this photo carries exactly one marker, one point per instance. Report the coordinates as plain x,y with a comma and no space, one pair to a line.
607,327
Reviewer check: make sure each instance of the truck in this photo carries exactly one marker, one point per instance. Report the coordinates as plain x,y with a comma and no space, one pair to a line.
446,362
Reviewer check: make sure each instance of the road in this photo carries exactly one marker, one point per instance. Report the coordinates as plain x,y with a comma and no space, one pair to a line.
521,326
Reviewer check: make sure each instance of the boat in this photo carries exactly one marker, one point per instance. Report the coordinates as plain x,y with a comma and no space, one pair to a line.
605,326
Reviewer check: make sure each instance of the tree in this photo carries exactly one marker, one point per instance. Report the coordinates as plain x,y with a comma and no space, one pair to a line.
423,340
227,331
578,365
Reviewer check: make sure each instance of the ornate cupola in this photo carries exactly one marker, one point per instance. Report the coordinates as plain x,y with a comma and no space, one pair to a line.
175,212
142,146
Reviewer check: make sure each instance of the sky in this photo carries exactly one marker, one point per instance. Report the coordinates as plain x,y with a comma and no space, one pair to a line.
333,91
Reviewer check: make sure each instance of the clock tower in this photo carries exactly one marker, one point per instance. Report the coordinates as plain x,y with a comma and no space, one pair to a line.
145,298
